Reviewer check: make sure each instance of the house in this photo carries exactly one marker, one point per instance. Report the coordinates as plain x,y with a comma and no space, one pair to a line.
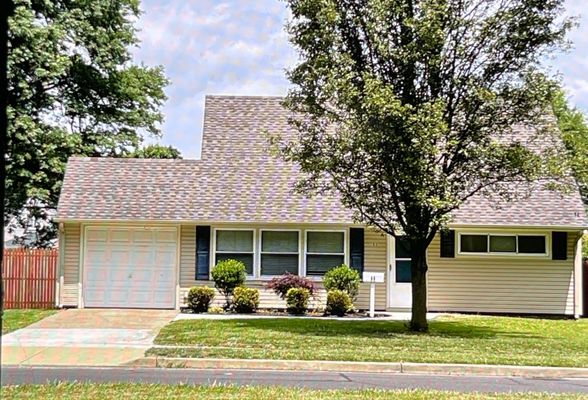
140,233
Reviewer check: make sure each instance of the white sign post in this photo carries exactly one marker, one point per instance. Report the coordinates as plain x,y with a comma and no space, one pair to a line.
373,278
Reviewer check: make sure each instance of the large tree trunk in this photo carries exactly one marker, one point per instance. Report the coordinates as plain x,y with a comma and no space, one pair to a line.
418,322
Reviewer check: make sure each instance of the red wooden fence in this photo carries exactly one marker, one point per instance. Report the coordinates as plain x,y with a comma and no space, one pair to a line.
29,278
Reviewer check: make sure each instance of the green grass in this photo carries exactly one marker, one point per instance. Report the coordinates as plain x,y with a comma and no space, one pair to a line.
152,392
452,339
16,319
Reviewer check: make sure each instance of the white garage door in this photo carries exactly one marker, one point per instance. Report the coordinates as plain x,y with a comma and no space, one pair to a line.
130,267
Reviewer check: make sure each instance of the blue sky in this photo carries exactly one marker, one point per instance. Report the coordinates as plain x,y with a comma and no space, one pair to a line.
239,47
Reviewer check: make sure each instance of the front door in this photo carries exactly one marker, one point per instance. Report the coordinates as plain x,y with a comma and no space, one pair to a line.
399,274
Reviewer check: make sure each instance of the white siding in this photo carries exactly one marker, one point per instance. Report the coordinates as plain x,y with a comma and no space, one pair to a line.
375,261
71,265
496,284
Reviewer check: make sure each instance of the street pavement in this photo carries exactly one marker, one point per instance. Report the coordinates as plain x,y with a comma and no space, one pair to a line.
11,375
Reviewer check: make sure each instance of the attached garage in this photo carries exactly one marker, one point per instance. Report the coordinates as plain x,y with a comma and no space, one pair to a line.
130,267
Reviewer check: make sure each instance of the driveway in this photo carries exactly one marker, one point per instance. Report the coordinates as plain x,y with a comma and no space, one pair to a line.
85,337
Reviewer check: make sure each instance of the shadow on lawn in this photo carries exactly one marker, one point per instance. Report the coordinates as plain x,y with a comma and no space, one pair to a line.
371,329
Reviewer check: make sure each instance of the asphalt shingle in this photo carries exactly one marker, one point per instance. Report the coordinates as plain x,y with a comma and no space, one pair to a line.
237,180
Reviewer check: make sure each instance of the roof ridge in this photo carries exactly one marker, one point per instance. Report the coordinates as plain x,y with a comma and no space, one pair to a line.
237,96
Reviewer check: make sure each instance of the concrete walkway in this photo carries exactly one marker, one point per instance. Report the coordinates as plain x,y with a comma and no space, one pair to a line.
98,337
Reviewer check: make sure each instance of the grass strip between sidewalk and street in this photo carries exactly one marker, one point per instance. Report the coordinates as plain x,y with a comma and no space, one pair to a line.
17,319
67,391
452,339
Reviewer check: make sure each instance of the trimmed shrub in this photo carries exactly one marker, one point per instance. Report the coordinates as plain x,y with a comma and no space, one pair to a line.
245,300
227,275
297,300
338,302
199,298
343,278
281,284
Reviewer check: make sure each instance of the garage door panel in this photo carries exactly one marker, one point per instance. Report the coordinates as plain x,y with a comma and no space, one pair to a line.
97,235
165,257
130,267
97,255
166,236
143,236
120,235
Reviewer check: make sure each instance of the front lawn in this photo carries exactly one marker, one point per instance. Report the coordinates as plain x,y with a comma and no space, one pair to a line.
452,339
149,392
16,319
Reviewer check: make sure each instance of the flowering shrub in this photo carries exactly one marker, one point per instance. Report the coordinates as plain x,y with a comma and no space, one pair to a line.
281,284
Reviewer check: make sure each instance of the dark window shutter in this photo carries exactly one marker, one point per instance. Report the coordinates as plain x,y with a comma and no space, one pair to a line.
202,252
356,241
448,244
559,245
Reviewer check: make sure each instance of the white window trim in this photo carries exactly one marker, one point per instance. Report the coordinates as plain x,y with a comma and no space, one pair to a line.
260,252
345,253
253,252
516,254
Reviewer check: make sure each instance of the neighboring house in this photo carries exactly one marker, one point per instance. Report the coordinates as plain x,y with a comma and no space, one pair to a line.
140,233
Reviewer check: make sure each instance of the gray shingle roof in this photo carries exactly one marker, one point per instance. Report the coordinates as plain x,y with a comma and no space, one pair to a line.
237,180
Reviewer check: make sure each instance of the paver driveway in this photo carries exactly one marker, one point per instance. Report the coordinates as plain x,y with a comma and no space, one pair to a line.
85,337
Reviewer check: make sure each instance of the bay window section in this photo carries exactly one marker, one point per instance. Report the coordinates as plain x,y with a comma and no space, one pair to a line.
235,245
324,250
279,252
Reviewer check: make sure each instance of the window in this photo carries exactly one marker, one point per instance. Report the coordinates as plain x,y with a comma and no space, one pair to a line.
532,244
474,243
235,245
324,250
503,244
403,265
279,252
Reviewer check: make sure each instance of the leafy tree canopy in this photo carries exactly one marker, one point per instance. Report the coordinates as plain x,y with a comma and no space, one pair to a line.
405,107
572,124
156,151
73,89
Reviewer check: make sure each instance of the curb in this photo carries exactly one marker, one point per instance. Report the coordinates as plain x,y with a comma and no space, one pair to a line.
369,367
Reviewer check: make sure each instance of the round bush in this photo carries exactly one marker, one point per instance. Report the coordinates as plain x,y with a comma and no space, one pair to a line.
245,300
343,278
338,302
297,300
282,284
227,275
199,298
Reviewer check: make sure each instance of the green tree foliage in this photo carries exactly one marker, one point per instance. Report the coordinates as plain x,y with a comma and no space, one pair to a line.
156,151
398,105
73,89
574,129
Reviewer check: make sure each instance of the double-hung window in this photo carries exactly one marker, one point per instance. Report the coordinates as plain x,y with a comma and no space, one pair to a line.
506,244
235,245
324,250
279,252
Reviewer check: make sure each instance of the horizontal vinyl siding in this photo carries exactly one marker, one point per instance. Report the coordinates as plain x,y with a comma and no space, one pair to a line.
188,256
496,284
71,265
375,261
